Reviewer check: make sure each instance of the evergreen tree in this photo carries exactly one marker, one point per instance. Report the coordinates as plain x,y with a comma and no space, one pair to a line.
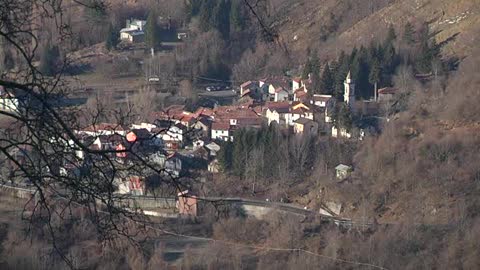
341,74
429,51
237,21
391,35
205,15
342,116
112,38
409,34
307,69
374,76
152,30
49,58
315,62
239,153
6,58
192,8
312,66
360,71
220,18
225,156
327,81
389,62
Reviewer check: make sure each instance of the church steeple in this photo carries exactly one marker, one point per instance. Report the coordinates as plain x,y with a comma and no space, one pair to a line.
349,94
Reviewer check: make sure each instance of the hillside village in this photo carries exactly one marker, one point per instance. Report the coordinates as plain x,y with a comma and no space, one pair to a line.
181,141
217,134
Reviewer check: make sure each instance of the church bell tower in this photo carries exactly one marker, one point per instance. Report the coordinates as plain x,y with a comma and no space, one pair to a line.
349,94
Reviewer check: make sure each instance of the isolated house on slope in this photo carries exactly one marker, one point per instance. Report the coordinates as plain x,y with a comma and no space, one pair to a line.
133,31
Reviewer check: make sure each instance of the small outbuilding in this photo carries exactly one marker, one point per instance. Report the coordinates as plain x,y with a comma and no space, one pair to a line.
343,171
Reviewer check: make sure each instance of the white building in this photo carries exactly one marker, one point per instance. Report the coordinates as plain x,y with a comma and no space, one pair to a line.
321,100
221,131
349,94
342,132
133,31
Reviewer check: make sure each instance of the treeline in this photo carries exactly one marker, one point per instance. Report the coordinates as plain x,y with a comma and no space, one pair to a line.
224,16
374,66
268,155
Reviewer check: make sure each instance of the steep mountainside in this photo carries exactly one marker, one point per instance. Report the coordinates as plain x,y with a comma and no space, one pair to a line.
332,25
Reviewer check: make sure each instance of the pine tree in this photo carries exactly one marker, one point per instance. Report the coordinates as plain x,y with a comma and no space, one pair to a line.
225,156
409,34
374,76
112,38
237,21
429,51
307,69
49,57
391,35
342,117
239,153
205,15
327,81
220,18
152,31
341,74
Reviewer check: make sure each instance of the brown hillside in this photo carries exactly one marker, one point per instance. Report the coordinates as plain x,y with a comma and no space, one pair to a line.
345,24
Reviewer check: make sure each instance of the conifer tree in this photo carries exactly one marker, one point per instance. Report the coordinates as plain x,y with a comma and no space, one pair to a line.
391,35
112,38
225,156
152,31
205,15
409,34
239,151
327,81
374,76
49,57
307,69
237,22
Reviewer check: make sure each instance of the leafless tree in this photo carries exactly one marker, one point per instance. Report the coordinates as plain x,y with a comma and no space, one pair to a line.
39,139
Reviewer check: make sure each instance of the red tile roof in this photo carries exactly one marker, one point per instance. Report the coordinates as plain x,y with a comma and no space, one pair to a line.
246,84
321,98
297,80
300,94
221,125
303,121
277,105
246,92
387,90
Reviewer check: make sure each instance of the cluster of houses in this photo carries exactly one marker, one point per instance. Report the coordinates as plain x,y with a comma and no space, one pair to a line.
291,104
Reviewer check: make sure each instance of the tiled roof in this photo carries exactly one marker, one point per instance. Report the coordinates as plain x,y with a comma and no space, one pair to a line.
321,98
300,94
246,84
302,121
221,125
387,90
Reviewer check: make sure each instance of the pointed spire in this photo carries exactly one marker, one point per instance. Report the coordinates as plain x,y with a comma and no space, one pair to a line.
349,76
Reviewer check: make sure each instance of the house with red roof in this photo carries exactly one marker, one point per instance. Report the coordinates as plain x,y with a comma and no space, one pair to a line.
221,130
321,100
285,113
300,94
249,87
386,93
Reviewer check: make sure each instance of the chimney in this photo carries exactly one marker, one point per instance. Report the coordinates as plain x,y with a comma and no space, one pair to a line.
127,25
